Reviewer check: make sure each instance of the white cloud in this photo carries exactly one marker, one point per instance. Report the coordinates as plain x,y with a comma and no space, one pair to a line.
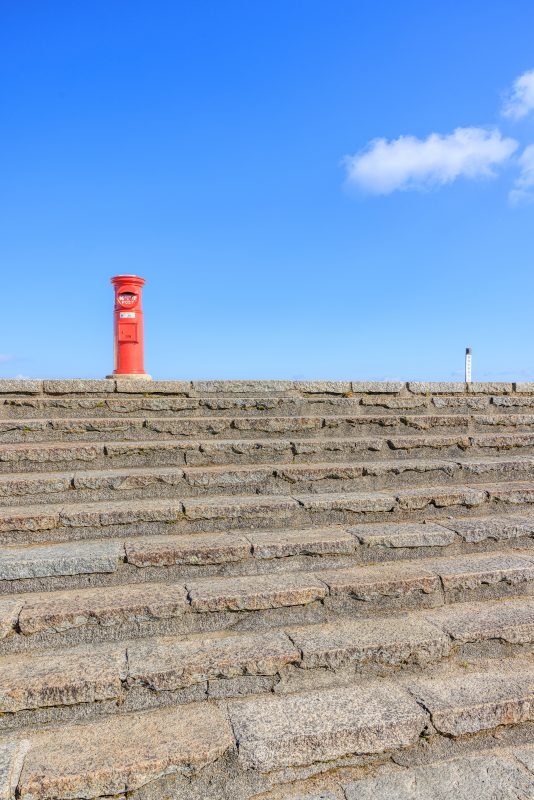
521,98
523,191
411,163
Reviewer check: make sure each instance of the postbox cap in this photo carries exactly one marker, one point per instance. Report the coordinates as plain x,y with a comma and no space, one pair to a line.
131,279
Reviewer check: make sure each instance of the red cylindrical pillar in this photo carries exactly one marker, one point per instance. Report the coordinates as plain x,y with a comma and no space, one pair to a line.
128,327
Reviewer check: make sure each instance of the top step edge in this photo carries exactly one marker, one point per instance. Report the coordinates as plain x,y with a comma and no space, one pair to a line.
256,387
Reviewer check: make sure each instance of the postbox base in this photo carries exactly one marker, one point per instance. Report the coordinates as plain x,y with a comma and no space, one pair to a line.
133,376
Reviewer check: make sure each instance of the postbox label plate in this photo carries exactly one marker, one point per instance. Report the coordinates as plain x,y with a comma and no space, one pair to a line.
127,315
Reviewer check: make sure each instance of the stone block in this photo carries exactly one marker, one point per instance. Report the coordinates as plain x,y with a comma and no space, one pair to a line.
123,753
163,551
254,592
491,776
391,641
20,386
393,535
303,729
78,386
385,580
110,605
169,665
76,558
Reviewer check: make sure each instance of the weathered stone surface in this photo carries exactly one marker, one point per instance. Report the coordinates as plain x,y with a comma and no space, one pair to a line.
20,386
122,480
275,732
495,387
121,754
460,442
10,608
76,558
243,506
440,497
28,518
297,473
403,535
515,494
12,756
397,403
281,544
469,572
391,641
497,528
48,452
355,501
507,620
80,675
386,580
153,387
526,388
12,486
59,611
242,387
418,387
255,592
464,703
378,387
504,441
492,776
323,387
168,665
526,756
329,448
78,386
161,551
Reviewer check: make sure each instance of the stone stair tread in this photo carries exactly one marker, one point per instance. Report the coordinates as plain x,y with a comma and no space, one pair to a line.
123,753
278,732
88,674
503,774
57,611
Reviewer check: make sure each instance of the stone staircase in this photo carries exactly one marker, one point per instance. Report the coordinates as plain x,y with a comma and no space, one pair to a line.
266,589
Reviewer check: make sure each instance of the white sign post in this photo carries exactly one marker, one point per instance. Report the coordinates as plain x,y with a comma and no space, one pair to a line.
468,365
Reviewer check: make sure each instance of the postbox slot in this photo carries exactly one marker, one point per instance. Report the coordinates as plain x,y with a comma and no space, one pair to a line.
127,299
128,332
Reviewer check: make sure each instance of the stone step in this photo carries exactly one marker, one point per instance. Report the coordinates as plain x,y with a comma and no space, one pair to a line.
197,751
257,427
64,456
57,522
107,562
31,620
182,481
177,405
497,773
109,678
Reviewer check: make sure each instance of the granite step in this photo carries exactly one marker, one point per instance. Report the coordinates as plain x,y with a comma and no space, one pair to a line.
154,404
261,742
83,455
92,613
107,562
258,427
498,773
171,481
119,677
111,519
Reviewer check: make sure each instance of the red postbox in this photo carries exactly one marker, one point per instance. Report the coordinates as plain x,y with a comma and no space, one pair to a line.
128,327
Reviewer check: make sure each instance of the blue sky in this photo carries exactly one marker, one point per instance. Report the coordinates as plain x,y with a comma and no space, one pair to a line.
203,145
